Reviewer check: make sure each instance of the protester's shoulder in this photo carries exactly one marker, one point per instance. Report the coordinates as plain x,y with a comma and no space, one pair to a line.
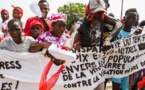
121,31
45,34
7,40
133,29
29,38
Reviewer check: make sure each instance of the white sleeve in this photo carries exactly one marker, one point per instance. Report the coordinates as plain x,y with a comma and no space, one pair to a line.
31,39
3,43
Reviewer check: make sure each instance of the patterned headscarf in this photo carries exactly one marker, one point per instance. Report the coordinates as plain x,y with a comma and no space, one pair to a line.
58,17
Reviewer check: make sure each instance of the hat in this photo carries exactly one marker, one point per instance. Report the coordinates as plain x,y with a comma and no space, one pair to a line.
96,6
58,17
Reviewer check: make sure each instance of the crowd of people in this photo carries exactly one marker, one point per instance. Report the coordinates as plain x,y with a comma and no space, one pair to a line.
97,28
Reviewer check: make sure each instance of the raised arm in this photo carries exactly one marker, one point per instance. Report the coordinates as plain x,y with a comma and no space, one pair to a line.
117,25
46,27
70,41
35,47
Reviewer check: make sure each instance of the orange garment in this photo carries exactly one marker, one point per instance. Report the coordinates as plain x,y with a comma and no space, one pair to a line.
29,20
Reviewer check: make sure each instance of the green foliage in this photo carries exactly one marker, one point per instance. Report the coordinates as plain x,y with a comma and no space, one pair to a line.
74,12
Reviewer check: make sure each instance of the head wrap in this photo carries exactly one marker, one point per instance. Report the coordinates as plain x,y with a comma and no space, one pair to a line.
58,17
34,22
4,10
19,10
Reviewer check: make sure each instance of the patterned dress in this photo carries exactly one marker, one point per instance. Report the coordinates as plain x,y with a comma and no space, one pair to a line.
49,38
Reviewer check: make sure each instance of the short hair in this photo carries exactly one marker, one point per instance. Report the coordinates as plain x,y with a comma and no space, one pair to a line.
137,16
130,10
15,20
142,23
111,14
19,8
42,1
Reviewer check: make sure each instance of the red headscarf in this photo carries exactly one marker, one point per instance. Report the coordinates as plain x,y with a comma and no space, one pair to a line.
19,10
34,22
4,10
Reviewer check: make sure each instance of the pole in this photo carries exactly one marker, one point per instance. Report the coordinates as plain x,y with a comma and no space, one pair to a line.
121,9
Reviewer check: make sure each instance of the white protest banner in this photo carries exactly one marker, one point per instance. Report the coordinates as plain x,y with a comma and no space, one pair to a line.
22,71
126,57
26,69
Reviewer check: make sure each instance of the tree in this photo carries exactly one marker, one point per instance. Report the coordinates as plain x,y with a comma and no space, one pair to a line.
74,12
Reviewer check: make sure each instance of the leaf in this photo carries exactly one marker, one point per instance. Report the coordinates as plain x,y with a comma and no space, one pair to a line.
74,12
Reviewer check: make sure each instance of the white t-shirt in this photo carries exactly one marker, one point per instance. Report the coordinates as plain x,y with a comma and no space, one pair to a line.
9,44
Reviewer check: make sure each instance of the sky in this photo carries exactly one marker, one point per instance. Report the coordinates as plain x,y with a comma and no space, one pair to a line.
115,6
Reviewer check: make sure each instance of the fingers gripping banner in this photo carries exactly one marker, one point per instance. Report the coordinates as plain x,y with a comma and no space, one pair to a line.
22,71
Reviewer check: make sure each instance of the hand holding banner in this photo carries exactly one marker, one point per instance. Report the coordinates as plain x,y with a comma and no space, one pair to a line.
59,53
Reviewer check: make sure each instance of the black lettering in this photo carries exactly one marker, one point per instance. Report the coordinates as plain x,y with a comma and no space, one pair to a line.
67,77
6,86
81,75
2,65
63,72
113,72
88,65
18,65
117,44
110,58
83,49
12,64
76,67
95,79
85,57
136,39
82,67
78,84
95,56
89,49
2,76
94,70
127,41
69,69
95,49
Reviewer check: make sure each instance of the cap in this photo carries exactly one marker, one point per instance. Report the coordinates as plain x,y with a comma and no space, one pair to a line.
96,6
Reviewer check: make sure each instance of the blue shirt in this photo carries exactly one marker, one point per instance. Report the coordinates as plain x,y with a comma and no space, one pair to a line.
124,82
124,33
